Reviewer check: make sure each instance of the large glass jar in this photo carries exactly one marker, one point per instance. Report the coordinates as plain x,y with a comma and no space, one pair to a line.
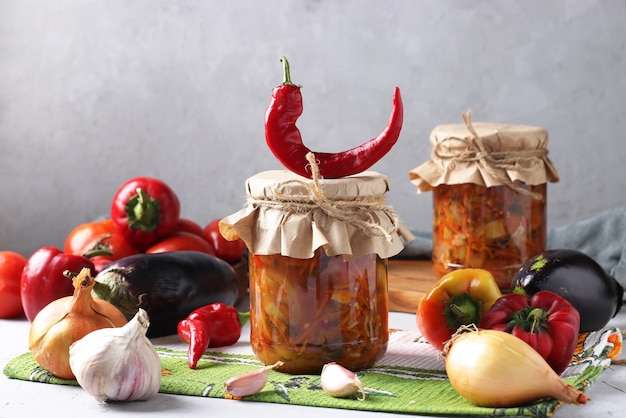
489,184
308,312
318,268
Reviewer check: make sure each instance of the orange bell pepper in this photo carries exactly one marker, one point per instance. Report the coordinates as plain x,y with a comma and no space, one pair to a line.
458,298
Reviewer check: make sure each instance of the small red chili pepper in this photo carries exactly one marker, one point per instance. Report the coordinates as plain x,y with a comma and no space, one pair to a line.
284,139
214,325
546,321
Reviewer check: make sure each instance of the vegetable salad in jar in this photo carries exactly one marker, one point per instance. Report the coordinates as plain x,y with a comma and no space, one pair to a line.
489,184
318,268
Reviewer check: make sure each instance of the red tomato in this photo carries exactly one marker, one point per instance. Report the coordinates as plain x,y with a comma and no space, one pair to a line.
87,239
114,243
85,235
11,266
182,241
230,251
187,225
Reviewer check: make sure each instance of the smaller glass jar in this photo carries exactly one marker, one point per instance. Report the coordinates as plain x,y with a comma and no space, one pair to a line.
318,268
489,184
494,228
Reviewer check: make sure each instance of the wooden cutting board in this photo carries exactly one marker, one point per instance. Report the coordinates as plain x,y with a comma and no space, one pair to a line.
409,281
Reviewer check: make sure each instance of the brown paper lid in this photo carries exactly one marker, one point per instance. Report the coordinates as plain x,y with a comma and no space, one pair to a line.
293,216
487,154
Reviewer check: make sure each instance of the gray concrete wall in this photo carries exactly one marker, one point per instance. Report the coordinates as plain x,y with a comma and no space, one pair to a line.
95,92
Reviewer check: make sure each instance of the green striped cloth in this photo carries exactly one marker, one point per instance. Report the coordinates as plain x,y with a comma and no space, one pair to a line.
409,379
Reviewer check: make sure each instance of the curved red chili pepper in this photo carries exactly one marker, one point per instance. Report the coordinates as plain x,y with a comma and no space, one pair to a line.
195,333
284,139
214,325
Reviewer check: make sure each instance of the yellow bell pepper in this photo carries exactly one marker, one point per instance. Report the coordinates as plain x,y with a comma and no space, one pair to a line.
458,298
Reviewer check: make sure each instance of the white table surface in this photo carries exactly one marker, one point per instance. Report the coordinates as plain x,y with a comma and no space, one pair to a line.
29,399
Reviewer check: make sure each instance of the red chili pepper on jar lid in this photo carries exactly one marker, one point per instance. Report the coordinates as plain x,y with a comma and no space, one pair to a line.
285,141
214,325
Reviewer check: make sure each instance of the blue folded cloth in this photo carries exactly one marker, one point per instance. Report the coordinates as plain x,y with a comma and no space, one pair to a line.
602,237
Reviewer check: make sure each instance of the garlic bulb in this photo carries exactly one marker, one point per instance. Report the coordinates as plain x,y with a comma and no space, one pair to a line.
340,382
118,364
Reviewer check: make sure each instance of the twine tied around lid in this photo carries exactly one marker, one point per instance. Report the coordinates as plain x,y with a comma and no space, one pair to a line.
493,162
357,213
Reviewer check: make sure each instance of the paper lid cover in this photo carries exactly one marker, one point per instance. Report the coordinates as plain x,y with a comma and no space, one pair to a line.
487,154
293,216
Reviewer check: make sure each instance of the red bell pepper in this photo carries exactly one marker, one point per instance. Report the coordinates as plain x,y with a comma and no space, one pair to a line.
546,321
214,325
145,209
43,280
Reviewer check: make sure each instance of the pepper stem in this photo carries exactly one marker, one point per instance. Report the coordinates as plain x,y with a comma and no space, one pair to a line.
536,317
142,211
529,319
462,309
243,317
286,71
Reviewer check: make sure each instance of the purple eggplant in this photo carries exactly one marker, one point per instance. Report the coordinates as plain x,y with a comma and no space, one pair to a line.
578,278
169,286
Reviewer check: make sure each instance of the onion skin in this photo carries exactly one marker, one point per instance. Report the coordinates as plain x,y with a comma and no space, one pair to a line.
495,369
69,319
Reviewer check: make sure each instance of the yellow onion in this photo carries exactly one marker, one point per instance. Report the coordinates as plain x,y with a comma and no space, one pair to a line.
69,319
496,369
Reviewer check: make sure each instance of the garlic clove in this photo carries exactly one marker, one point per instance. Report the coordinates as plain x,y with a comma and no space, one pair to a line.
250,383
118,364
340,382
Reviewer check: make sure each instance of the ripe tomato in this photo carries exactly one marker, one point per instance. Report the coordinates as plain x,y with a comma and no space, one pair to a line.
114,243
181,241
187,225
230,251
11,266
90,238
85,235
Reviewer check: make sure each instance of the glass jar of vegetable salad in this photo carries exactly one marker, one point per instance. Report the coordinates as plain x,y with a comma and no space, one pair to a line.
318,251
489,184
